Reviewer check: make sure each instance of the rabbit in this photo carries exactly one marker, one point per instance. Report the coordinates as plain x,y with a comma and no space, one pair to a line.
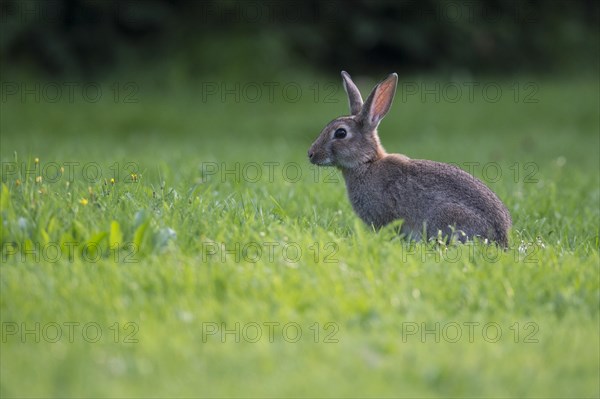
431,198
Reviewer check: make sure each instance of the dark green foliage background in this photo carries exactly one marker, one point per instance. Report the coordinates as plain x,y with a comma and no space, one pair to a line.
92,38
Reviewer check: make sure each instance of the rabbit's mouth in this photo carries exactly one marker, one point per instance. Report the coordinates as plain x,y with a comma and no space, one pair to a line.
321,162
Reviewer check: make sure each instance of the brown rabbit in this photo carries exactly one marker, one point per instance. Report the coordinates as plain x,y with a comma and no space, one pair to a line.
430,197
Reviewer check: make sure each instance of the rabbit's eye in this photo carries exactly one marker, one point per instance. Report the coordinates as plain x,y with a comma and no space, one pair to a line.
340,133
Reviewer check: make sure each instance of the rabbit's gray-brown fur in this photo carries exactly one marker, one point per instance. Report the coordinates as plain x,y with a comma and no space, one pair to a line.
428,196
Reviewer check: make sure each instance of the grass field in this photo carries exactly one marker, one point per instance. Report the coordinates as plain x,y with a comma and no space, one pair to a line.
220,263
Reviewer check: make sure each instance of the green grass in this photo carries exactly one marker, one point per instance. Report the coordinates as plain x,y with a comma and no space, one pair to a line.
152,252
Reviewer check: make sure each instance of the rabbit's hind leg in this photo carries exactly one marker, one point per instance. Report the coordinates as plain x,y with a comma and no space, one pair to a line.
454,222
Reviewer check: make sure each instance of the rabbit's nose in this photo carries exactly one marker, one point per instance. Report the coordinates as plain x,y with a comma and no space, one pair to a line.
310,154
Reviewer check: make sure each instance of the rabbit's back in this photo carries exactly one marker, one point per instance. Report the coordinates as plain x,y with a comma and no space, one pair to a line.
434,193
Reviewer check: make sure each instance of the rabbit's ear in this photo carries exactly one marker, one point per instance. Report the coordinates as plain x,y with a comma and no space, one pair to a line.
379,102
354,97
